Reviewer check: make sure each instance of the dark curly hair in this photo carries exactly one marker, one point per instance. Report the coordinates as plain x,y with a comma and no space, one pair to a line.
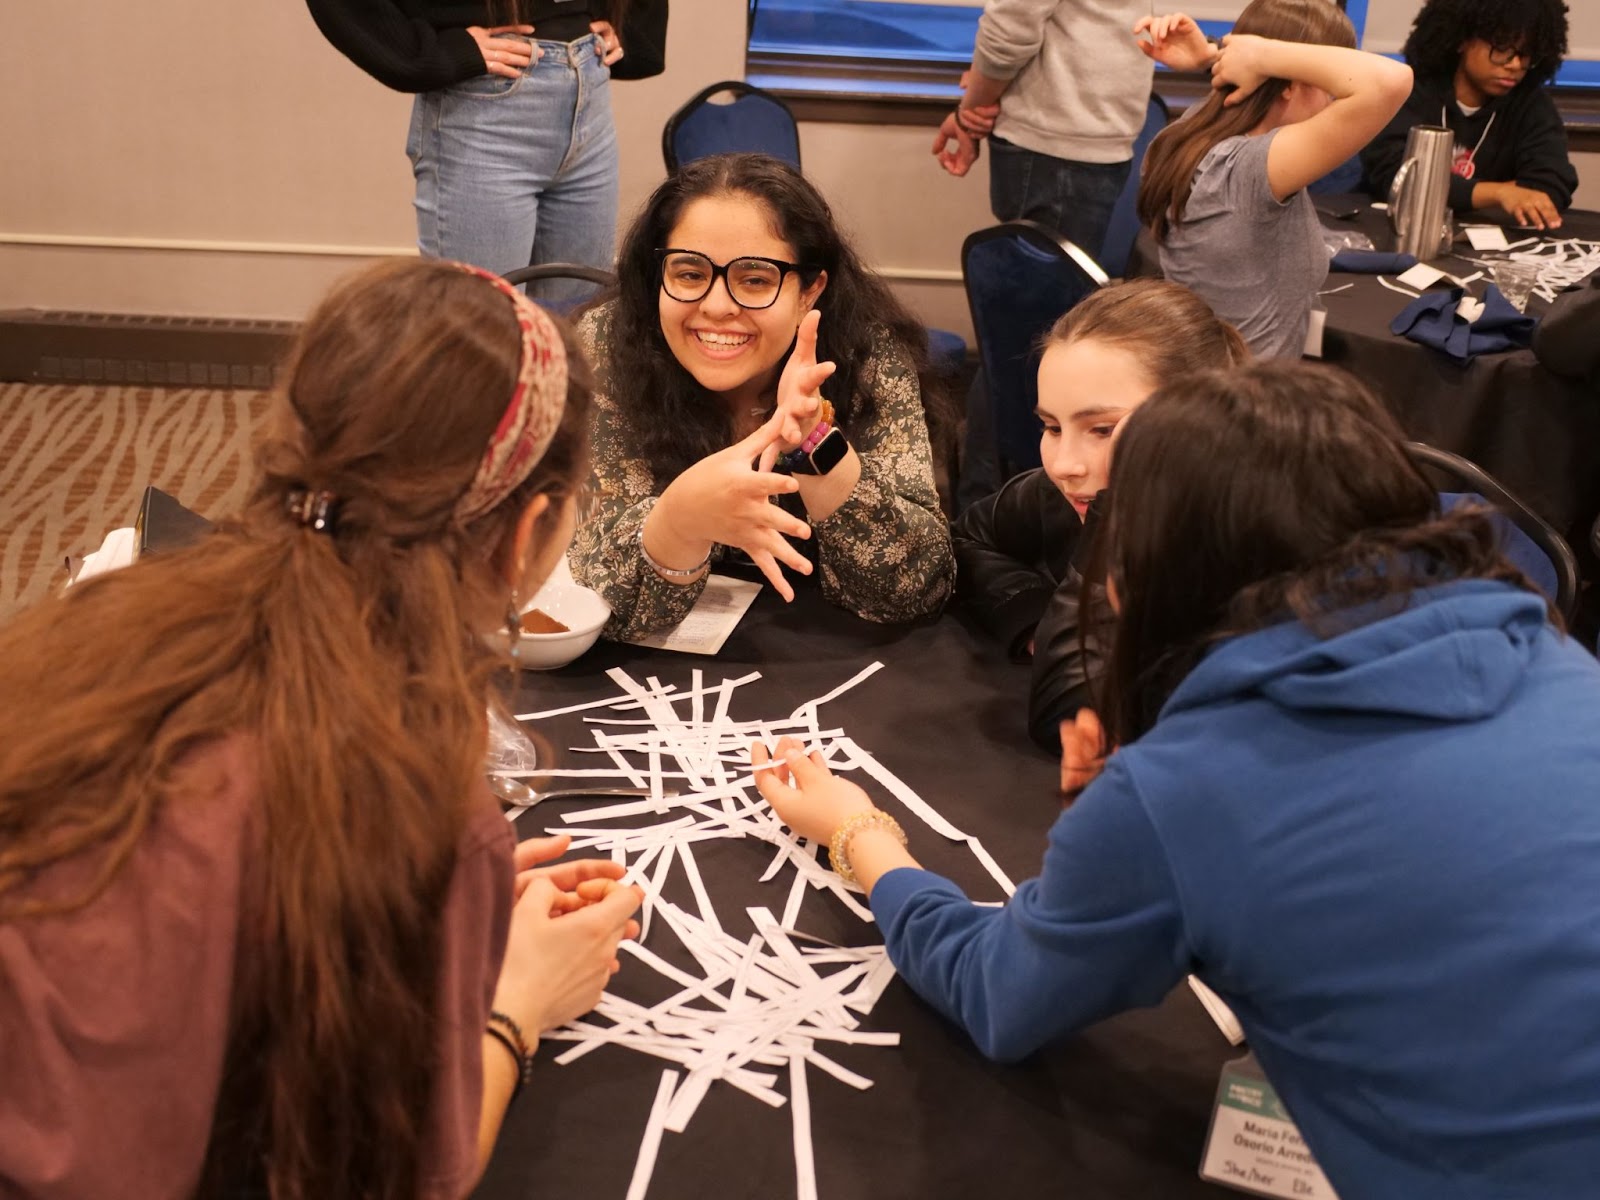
686,422
1434,47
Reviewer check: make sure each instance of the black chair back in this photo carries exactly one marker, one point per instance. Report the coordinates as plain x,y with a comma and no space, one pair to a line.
1020,277
597,278
1558,563
749,120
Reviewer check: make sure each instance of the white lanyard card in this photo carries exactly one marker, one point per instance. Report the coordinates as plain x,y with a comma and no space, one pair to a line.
1253,1146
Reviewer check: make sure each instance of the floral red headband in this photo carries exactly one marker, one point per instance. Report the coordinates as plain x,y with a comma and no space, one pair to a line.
533,413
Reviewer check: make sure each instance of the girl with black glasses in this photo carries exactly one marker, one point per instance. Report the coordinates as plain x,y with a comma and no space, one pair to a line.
1481,67
748,357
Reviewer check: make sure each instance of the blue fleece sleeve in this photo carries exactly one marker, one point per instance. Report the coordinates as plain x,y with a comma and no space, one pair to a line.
1099,931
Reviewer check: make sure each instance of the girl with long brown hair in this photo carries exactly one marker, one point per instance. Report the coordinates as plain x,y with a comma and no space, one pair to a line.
258,919
1223,189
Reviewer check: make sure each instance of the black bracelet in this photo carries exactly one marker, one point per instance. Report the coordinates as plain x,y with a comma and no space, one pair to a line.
962,125
511,1037
524,1065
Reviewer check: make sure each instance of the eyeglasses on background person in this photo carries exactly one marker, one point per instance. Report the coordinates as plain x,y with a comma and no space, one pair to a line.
1501,56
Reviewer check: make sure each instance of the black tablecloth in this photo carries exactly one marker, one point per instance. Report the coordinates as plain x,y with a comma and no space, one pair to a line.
1119,1111
1536,432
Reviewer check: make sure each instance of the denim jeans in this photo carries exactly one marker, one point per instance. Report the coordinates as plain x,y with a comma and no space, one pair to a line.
517,171
1073,198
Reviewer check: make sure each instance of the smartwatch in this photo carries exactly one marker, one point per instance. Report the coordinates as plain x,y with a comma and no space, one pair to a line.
823,457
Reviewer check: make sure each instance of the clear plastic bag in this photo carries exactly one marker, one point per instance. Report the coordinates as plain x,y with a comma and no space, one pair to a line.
511,751
1345,239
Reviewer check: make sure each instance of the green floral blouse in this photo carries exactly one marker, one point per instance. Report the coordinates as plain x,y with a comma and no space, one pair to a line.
884,553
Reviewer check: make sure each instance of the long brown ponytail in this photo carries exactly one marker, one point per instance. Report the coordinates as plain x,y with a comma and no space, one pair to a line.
352,666
1175,155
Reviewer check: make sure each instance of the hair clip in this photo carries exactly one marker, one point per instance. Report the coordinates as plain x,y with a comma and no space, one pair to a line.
315,510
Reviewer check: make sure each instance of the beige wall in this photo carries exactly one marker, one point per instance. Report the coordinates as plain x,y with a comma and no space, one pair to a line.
235,167
235,170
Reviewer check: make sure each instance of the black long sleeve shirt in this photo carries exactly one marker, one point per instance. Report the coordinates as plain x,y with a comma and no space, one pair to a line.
420,45
1016,572
1517,138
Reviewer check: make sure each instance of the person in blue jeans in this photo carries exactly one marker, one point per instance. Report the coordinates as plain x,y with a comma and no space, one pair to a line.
1063,88
1352,788
512,141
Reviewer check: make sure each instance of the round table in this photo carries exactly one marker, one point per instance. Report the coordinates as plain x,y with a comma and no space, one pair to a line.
1117,1112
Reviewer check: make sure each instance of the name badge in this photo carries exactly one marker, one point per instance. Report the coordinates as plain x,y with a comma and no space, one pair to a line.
1253,1146
1313,346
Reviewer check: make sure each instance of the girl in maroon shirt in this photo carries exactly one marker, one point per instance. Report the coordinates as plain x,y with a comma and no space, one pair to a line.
260,925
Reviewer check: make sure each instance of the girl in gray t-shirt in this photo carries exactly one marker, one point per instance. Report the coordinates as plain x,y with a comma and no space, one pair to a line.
1224,188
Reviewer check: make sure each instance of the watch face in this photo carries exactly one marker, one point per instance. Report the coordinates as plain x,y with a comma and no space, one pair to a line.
829,452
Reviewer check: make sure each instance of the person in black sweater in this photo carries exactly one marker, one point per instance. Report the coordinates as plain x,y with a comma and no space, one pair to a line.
1020,552
1481,67
512,141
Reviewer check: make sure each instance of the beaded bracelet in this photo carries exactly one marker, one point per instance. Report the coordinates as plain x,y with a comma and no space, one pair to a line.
671,572
838,845
509,1034
787,463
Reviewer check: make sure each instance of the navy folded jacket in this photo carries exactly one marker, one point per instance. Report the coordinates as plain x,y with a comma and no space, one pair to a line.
1432,319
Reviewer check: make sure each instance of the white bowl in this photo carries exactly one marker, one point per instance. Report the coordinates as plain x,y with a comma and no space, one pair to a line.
580,609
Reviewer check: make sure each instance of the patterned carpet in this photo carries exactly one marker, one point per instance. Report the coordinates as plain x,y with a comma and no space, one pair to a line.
74,462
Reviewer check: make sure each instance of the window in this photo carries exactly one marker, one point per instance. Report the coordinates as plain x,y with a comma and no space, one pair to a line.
910,49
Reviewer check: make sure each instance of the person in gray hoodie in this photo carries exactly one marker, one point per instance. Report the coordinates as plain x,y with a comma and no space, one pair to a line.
1063,87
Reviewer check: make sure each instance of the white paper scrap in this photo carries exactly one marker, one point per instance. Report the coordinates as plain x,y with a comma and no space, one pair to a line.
650,1144
1421,276
805,1166
714,616
1487,237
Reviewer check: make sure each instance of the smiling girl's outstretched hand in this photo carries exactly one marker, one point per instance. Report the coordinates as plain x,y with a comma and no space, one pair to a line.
799,397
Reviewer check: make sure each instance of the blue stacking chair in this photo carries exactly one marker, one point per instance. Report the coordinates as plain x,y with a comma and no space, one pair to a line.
1527,540
750,120
1124,227
1020,277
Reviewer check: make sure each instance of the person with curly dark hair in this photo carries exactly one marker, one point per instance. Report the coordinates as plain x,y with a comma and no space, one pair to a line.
1481,67
737,299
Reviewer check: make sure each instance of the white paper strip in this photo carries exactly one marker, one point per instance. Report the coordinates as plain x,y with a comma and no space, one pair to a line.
813,705
750,1002
650,1145
805,1167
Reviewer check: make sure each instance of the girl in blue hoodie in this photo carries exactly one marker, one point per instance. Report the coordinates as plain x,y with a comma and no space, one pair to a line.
1357,793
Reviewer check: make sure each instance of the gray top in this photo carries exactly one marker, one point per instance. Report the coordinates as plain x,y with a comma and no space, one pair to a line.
1078,84
1256,261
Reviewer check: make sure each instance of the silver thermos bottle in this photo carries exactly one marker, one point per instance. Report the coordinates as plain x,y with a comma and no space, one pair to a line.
1419,197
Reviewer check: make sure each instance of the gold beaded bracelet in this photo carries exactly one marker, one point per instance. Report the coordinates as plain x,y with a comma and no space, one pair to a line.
839,843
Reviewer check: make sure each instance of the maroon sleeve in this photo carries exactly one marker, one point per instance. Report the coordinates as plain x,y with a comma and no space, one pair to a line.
477,918
114,1018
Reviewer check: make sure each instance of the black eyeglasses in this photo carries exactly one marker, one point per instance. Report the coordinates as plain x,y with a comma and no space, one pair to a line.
753,282
1501,56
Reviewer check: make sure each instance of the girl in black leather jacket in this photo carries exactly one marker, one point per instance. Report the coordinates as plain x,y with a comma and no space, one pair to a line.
1019,551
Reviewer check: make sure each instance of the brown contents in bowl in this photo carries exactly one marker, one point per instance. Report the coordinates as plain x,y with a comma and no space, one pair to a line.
534,621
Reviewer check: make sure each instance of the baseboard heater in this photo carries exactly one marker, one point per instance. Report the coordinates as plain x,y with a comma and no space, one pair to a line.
43,346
